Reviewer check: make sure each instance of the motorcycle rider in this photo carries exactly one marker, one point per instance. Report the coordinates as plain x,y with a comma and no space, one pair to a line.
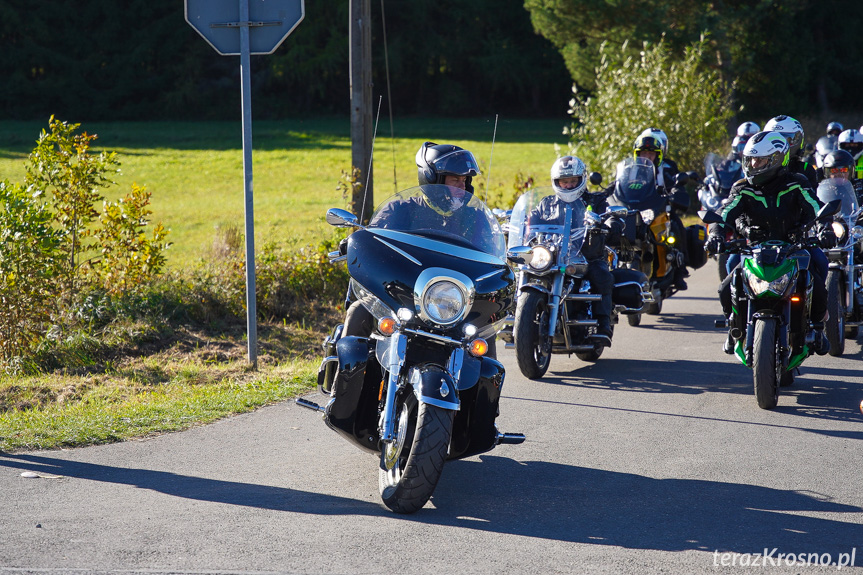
569,180
834,129
748,129
768,204
454,168
792,130
852,142
744,131
840,164
651,148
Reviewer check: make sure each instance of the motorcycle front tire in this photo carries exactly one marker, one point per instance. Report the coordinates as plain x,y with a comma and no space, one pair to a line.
529,329
411,468
765,372
834,327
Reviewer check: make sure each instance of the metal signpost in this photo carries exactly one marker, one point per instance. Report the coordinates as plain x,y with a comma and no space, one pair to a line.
246,27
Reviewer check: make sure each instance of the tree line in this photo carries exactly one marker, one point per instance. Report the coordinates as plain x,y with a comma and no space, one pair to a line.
140,60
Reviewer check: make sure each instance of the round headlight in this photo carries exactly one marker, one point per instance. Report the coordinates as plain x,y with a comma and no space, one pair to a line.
541,258
839,230
443,302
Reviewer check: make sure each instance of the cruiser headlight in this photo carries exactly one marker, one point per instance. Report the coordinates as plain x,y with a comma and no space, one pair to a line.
443,302
541,258
839,230
760,286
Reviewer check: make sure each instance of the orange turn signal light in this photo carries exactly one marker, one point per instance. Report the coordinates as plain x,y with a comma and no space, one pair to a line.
387,325
478,347
795,298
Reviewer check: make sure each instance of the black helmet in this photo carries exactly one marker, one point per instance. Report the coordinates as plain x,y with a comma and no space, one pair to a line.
650,144
839,163
434,161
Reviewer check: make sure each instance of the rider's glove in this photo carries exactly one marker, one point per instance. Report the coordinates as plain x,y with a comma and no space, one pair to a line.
827,237
754,234
714,244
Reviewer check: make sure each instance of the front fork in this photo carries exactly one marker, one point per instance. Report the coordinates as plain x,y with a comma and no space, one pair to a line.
395,361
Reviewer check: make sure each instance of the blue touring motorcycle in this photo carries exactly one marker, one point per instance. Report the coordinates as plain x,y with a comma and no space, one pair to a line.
420,389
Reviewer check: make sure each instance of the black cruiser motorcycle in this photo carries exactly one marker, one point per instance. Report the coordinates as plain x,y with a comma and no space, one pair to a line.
845,275
419,389
650,243
554,314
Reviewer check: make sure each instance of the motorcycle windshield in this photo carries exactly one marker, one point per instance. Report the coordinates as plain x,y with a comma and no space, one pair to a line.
838,189
534,221
442,213
635,185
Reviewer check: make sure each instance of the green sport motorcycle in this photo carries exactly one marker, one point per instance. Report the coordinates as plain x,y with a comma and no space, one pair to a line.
771,294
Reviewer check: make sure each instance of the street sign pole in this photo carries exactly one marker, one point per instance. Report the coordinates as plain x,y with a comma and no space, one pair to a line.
246,99
218,22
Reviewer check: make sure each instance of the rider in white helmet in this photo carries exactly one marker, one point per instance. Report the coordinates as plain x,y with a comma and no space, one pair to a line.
766,205
792,130
569,181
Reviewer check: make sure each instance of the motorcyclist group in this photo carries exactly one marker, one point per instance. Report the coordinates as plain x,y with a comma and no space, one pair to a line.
775,198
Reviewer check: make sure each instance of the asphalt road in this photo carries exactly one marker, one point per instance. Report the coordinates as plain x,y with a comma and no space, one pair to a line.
656,459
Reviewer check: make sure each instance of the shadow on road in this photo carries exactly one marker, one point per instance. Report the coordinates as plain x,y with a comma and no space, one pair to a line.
837,398
563,502
197,488
548,501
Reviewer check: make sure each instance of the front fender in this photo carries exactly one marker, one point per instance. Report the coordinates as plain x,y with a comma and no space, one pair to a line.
535,287
434,386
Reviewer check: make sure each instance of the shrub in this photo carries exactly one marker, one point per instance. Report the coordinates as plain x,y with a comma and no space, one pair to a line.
680,96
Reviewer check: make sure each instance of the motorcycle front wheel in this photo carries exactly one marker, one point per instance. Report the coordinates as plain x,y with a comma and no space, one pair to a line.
834,327
412,464
766,366
529,330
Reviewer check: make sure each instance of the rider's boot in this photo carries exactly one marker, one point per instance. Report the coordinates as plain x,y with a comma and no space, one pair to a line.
679,282
603,331
821,345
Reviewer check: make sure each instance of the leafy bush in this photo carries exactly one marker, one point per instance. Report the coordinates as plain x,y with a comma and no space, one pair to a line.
55,245
680,96
29,267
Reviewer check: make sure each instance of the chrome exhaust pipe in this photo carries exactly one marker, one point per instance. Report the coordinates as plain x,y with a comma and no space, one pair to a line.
510,438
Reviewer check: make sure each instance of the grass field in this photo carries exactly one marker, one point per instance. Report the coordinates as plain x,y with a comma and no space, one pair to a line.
195,170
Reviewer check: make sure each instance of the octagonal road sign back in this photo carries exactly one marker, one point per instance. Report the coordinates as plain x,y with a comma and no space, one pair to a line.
270,22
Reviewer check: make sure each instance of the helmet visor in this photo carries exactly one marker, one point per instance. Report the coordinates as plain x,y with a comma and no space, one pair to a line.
457,163
841,172
794,139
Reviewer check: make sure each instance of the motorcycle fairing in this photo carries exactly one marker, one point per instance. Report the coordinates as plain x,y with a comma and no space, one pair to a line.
369,260
352,412
474,430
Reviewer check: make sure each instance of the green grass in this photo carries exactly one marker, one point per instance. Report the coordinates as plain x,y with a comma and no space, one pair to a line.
195,170
154,397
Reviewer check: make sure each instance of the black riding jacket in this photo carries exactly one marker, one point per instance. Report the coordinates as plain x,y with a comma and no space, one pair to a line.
776,208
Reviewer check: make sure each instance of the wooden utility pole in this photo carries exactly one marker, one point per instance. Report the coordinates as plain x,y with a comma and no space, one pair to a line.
361,104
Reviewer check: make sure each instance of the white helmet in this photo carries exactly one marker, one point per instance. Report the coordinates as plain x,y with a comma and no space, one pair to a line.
764,155
790,128
659,135
852,142
569,167
747,129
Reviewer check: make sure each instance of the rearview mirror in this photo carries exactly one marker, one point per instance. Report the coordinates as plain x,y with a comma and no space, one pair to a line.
341,218
519,255
595,178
